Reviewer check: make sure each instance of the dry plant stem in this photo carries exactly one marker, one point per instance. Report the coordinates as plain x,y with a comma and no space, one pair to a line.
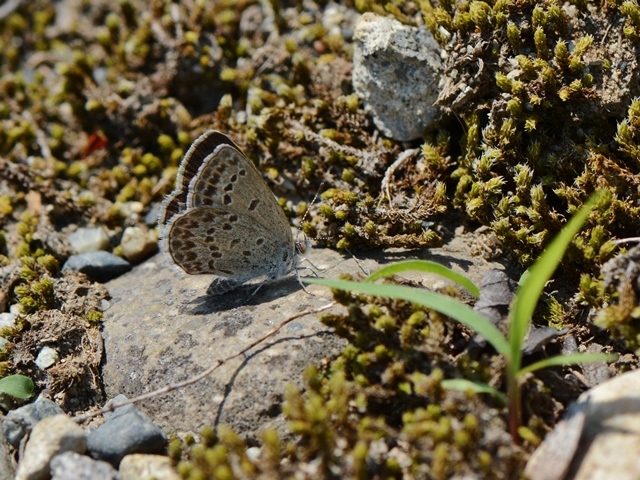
386,181
205,373
620,241
368,160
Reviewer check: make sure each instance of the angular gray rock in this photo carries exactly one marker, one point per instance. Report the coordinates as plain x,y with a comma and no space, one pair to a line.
100,266
124,432
396,72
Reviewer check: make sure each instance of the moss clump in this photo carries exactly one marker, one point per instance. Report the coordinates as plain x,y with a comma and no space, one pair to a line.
377,411
534,146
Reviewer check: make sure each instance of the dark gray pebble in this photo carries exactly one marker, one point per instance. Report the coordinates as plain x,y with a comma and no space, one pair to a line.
19,421
70,465
100,266
123,433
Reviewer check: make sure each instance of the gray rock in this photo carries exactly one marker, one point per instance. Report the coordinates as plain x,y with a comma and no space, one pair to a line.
19,421
50,437
101,266
396,72
124,433
599,437
147,467
118,399
181,331
71,466
89,239
7,319
7,466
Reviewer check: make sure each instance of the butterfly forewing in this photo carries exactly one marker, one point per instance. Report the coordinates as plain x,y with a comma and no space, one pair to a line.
228,178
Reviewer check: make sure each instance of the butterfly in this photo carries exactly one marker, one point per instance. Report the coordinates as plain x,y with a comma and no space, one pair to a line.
223,219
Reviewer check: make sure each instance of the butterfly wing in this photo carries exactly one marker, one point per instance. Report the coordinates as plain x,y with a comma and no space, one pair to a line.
200,149
228,178
216,240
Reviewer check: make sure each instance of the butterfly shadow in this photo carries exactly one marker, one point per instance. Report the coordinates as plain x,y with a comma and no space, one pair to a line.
249,294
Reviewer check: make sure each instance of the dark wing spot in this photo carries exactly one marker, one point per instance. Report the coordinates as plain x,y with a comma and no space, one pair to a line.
226,226
254,204
233,218
260,241
233,243
227,199
233,178
215,255
242,172
229,187
246,253
213,248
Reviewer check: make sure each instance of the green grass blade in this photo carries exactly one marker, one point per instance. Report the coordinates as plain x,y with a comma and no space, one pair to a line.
531,288
573,359
464,385
17,386
425,266
440,303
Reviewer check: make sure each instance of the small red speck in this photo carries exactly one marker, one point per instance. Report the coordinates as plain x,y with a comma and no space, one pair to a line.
97,141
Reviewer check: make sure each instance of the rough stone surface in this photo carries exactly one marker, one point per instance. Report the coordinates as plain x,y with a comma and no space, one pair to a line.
598,439
50,437
89,239
7,466
127,431
147,467
162,329
396,72
72,466
101,266
17,422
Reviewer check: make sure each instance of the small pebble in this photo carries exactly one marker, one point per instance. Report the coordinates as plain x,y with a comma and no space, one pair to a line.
72,466
17,422
7,320
89,239
151,218
147,467
101,266
50,437
46,358
138,244
123,434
